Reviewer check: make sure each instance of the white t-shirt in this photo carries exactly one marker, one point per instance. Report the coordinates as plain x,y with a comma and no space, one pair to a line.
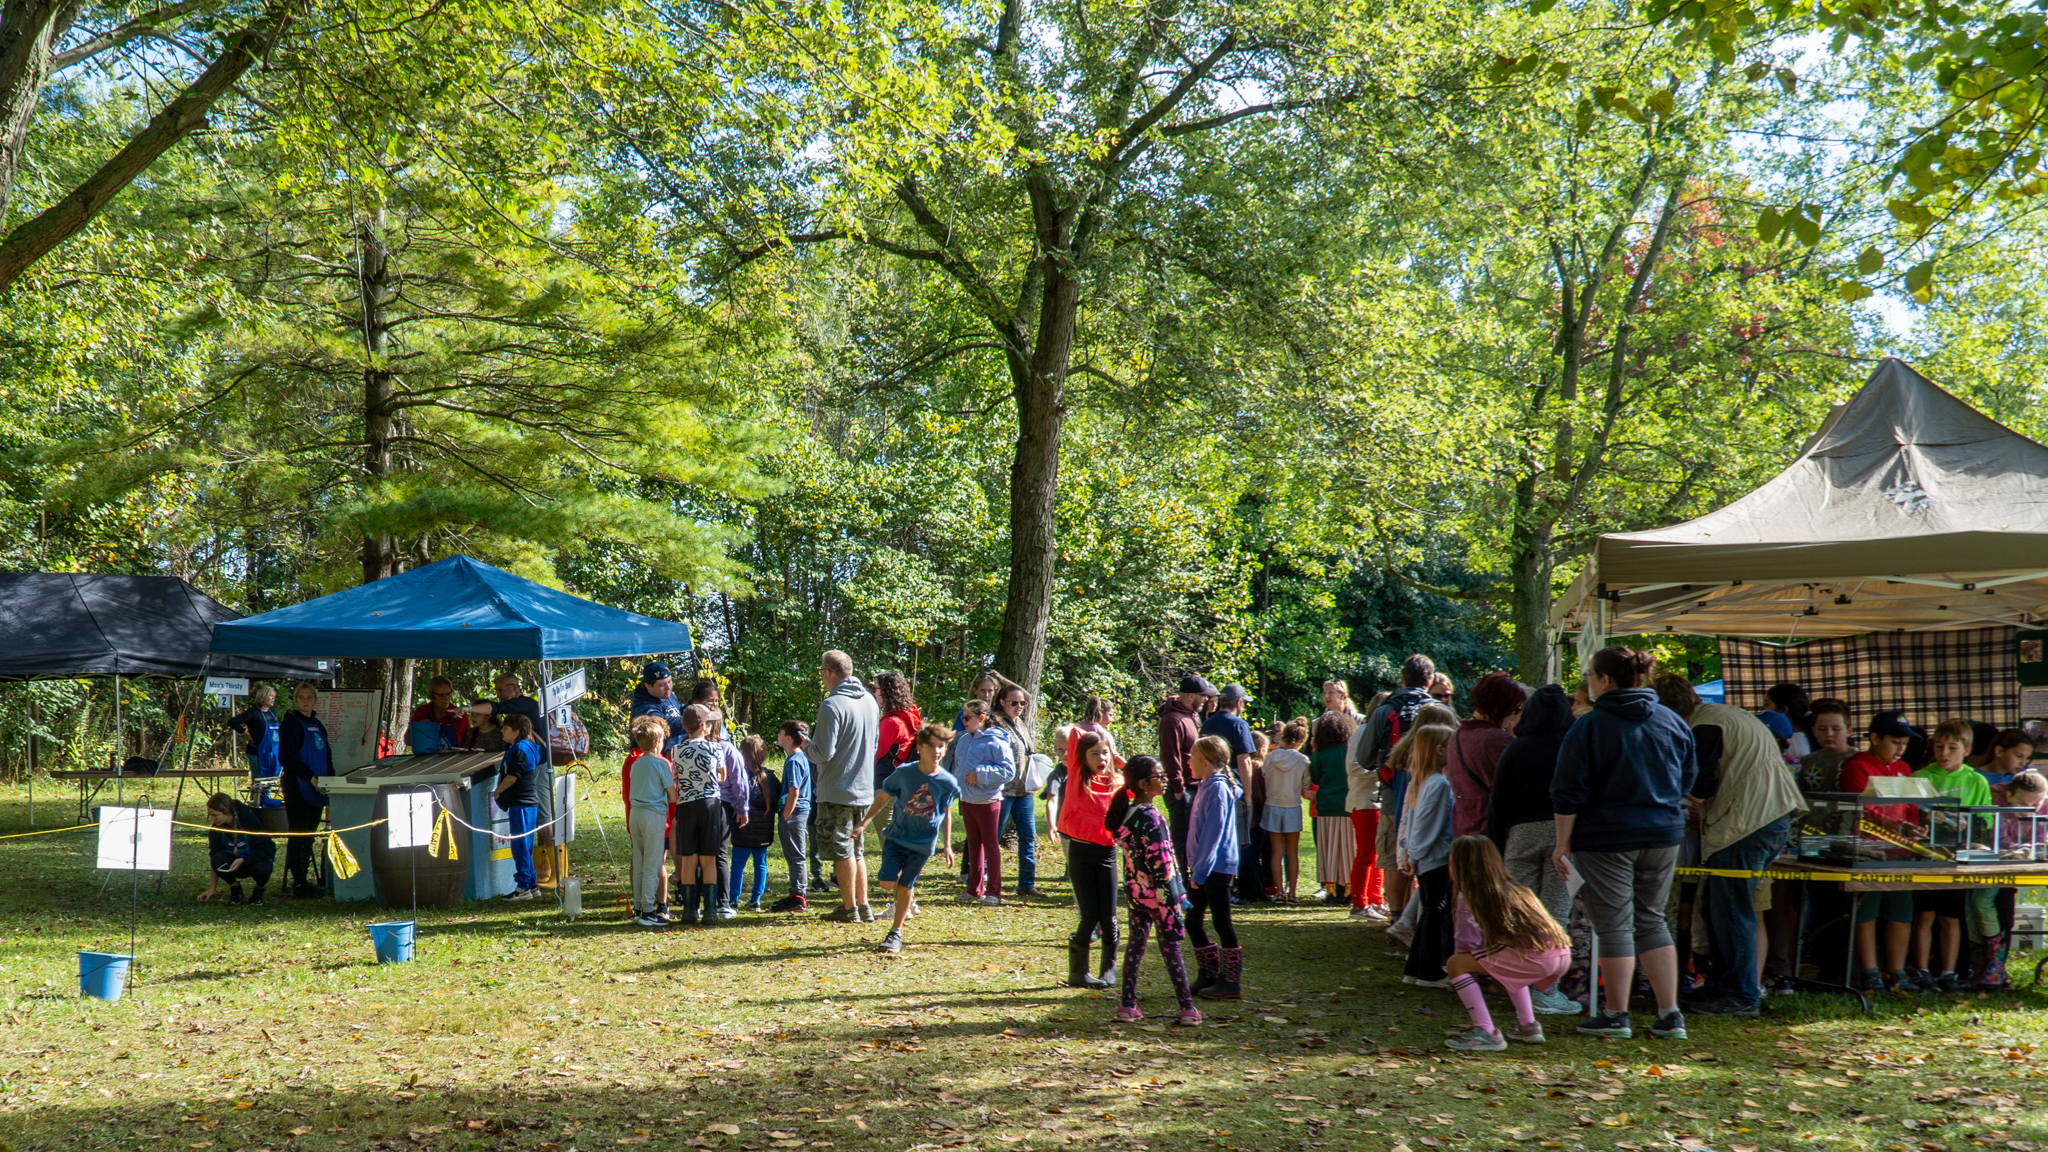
1286,772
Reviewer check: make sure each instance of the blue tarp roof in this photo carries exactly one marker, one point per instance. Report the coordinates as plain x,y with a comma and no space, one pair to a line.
455,609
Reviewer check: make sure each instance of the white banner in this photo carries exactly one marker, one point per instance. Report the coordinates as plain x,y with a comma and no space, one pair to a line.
227,686
564,691
411,817
138,838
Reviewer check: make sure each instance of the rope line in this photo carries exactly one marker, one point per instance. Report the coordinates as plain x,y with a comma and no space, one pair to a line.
1861,877
48,831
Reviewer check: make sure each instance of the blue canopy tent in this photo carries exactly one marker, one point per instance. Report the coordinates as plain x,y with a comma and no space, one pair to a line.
458,609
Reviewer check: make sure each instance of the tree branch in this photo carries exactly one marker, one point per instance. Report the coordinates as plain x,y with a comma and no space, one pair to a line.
142,25
35,238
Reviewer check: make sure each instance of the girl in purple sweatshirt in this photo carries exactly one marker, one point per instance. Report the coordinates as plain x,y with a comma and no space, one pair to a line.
1212,868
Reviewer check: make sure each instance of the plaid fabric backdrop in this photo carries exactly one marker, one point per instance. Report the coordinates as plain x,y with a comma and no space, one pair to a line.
1932,675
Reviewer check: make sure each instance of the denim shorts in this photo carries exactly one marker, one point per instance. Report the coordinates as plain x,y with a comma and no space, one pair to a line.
901,864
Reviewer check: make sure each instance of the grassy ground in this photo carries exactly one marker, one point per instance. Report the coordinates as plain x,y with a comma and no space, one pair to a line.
273,1028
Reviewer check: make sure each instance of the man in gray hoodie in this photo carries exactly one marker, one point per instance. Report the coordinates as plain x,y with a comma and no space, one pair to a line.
843,743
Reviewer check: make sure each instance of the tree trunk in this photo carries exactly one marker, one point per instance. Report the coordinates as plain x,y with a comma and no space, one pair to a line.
1038,384
374,284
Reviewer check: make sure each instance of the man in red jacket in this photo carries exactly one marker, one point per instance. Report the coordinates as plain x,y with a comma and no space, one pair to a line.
1180,725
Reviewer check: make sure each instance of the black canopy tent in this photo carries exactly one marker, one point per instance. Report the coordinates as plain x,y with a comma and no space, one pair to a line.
76,625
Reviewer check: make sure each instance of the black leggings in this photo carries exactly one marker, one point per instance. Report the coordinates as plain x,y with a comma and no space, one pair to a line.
1092,869
299,816
1214,897
1432,947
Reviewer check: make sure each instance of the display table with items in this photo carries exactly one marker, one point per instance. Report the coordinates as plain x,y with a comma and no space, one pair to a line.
91,781
1909,843
454,863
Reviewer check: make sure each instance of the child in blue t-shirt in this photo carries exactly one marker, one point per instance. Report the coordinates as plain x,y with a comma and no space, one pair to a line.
796,813
922,793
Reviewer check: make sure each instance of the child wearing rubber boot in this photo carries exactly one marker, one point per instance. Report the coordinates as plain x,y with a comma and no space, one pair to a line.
1212,868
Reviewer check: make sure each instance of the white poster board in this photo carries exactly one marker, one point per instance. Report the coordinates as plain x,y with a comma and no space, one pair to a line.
565,808
411,819
138,838
352,717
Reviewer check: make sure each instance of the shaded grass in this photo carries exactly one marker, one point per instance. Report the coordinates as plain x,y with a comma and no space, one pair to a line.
272,1028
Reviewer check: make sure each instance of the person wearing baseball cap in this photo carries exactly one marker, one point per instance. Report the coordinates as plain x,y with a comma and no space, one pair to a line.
1228,722
1180,725
1889,734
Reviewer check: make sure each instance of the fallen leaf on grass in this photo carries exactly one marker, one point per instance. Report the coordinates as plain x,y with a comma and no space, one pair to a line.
724,1129
303,1130
1701,1056
1795,1106
1742,1148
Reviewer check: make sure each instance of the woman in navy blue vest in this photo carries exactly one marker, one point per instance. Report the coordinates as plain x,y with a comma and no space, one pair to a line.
303,751
260,724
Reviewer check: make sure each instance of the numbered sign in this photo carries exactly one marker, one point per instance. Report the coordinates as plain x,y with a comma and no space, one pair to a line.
138,838
411,819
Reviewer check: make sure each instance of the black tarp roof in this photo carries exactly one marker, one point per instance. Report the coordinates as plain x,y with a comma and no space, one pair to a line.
57,625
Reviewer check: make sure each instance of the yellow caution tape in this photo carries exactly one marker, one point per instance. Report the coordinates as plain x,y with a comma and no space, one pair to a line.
1864,877
48,831
444,825
338,855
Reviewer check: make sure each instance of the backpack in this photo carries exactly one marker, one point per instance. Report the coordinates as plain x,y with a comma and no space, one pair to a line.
1399,717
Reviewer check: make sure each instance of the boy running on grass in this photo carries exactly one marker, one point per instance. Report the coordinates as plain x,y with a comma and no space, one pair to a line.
922,792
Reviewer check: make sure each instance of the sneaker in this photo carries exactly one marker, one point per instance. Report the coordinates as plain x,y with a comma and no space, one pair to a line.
967,898
524,894
647,920
1029,893
1363,914
1946,982
1723,1006
1669,1026
1872,980
1401,934
1906,982
307,892
1530,1033
1784,987
1421,983
235,895
726,912
1615,1025
843,915
893,942
1379,911
866,913
1129,1015
1477,1040
256,901
989,900
754,905
1191,1016
790,903
1554,1003
1924,978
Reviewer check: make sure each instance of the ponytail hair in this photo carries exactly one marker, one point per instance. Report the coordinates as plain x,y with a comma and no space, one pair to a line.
1627,667
1138,771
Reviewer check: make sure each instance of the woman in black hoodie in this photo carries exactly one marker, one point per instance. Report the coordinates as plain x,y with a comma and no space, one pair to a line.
1519,817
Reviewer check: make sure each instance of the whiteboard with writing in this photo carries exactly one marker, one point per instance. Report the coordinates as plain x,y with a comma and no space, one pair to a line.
352,716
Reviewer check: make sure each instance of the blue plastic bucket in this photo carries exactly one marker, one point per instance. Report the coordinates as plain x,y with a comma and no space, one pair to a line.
102,975
393,941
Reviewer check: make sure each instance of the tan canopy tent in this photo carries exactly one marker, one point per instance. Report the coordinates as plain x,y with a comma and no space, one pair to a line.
1908,511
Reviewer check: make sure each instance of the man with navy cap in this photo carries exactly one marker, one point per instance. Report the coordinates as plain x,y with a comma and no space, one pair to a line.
1180,725
656,696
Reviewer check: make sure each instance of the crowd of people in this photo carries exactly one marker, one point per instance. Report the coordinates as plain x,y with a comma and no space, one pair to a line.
1533,843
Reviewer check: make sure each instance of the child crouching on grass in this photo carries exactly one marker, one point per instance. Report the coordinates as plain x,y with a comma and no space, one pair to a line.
1152,884
922,793
1505,932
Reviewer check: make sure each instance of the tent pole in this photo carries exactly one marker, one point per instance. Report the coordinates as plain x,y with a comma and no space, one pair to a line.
547,744
120,798
28,749
192,731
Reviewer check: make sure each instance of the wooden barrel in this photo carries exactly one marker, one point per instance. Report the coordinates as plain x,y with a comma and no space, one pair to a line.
439,879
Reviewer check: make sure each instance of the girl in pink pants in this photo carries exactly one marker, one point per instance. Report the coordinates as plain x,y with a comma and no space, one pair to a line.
1503,931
